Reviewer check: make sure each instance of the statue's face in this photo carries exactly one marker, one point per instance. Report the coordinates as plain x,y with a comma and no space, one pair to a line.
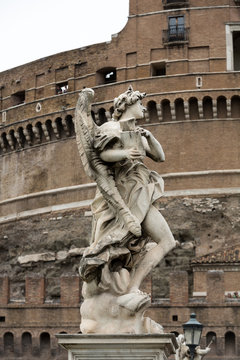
136,110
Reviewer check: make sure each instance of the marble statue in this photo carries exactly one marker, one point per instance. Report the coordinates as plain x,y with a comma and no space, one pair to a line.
129,235
183,352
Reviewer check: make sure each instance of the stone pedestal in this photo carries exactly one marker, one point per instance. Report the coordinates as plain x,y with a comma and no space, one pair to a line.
118,347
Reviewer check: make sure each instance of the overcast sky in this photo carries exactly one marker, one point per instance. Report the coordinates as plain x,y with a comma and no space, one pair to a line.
32,29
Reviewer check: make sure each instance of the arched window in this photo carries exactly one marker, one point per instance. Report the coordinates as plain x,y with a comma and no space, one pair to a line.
22,138
41,134
221,107
111,110
166,110
193,109
5,142
8,342
44,342
59,127
30,133
179,109
49,127
26,342
13,140
235,106
211,336
152,111
230,343
70,125
102,116
207,108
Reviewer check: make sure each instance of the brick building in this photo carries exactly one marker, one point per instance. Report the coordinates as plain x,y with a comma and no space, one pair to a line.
186,56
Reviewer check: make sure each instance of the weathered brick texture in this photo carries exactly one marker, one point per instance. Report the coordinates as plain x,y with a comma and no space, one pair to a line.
215,287
35,290
179,288
70,290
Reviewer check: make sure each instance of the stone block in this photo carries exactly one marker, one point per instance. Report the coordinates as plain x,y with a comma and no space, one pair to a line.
118,347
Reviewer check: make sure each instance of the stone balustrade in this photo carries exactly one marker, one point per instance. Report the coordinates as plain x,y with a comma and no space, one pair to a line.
31,132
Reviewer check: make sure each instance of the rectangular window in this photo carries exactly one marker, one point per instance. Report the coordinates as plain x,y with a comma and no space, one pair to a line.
62,88
158,68
236,50
18,98
233,46
176,28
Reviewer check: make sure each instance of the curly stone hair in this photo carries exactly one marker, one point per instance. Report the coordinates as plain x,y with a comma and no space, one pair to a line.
124,100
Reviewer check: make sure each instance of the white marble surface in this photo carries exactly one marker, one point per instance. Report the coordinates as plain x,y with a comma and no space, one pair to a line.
116,347
125,217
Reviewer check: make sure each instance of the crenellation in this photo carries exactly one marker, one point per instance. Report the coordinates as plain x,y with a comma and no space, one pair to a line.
34,290
4,290
178,284
70,290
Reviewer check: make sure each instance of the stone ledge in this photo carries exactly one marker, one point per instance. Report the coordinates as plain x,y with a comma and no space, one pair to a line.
127,346
87,203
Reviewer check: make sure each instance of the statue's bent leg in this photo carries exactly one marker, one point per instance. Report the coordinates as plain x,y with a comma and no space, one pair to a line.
157,228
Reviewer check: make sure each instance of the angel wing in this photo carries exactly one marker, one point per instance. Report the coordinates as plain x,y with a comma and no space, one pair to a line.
84,128
94,166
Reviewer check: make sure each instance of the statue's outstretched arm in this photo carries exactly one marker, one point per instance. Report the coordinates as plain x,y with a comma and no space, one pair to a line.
114,155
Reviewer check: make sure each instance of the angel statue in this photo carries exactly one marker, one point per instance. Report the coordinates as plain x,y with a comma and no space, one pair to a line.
183,351
129,235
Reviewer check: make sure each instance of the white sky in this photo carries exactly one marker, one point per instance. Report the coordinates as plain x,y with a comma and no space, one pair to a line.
32,29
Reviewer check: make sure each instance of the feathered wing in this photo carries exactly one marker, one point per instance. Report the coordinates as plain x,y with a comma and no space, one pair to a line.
94,166
84,128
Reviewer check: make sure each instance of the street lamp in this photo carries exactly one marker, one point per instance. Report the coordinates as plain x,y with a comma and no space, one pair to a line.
192,333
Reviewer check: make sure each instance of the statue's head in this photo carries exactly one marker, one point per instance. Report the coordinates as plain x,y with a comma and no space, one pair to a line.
125,100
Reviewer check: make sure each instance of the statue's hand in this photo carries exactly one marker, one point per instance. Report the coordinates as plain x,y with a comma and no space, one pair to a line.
132,223
144,132
133,154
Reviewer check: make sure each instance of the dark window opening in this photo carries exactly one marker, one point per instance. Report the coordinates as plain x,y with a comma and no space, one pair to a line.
159,69
171,4
152,111
106,76
62,88
8,342
211,337
18,98
102,116
26,342
44,341
2,318
174,318
236,50
230,343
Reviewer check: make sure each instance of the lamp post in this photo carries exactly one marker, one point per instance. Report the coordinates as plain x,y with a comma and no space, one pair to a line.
192,333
